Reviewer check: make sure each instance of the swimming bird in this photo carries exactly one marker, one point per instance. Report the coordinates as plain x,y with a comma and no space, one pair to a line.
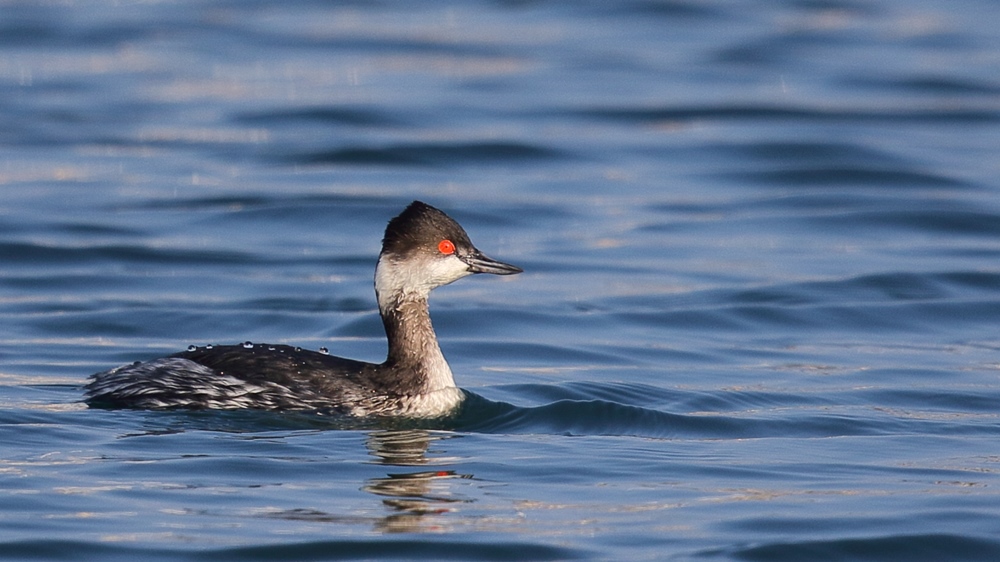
423,248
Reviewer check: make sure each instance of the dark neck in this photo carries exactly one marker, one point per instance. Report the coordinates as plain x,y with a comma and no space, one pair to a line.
413,346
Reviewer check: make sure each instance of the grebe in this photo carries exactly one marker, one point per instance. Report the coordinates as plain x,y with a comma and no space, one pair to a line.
423,248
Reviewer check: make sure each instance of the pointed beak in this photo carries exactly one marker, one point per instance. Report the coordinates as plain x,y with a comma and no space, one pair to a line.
478,263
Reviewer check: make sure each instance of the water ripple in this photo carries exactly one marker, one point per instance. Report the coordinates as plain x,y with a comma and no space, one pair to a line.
987,113
757,319
927,547
317,550
432,154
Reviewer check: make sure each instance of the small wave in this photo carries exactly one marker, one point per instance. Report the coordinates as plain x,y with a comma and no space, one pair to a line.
354,116
431,154
929,84
913,548
36,253
846,176
964,222
596,417
380,547
775,113
905,301
808,151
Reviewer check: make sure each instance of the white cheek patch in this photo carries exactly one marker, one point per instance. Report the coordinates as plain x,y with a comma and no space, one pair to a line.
394,277
444,271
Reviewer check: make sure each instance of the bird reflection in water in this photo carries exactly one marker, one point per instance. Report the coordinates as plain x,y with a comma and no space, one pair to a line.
415,498
412,495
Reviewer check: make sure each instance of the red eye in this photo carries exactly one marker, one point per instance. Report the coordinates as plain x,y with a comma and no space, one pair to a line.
446,247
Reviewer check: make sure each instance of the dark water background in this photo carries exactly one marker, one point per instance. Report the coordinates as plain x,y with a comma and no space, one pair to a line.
759,319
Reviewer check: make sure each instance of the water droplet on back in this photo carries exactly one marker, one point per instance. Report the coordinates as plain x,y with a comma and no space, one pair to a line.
324,351
192,348
247,345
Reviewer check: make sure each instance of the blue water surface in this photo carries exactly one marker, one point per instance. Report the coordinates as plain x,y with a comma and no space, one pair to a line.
758,319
